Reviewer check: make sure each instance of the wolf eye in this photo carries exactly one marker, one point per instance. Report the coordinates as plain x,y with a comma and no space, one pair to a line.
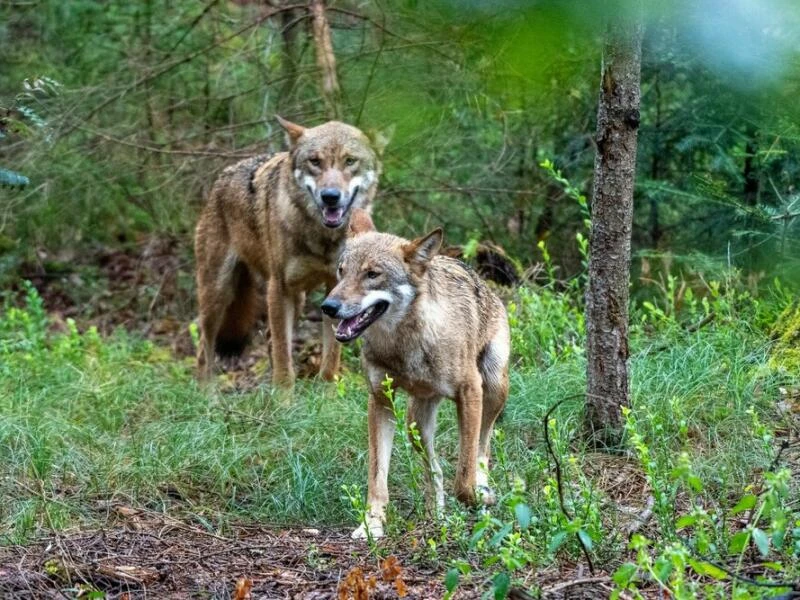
314,162
339,271
372,274
350,161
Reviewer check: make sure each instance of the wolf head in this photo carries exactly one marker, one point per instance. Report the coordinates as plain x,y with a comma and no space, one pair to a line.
378,277
336,166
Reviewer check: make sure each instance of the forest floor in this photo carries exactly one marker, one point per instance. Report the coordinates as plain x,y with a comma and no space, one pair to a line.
148,555
127,480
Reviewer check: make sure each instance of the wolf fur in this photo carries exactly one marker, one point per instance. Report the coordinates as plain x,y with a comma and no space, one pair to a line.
282,219
431,325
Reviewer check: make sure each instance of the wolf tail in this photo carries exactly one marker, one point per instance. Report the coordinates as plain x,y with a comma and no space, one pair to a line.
241,314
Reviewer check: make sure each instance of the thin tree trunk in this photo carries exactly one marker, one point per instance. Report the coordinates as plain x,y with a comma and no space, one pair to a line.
326,60
290,23
751,194
610,246
655,168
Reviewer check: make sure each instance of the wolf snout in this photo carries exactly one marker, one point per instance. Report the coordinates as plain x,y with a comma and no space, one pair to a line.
331,307
330,196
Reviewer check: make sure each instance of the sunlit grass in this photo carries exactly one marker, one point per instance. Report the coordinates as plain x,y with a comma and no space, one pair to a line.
87,419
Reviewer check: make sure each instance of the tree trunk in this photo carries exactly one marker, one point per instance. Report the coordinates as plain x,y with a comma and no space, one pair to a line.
655,167
610,246
326,60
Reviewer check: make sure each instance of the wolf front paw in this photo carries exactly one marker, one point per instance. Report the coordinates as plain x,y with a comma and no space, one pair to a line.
371,528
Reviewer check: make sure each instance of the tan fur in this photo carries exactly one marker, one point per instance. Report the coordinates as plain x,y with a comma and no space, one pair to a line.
265,220
444,334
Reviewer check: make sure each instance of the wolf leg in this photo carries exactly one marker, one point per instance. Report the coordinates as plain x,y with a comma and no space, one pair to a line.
280,307
381,432
422,413
214,296
469,400
494,372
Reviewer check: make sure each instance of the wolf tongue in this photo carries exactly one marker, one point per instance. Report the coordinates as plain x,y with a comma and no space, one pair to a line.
346,325
333,215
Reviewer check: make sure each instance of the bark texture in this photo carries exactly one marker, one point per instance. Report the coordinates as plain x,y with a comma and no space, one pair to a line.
326,59
610,246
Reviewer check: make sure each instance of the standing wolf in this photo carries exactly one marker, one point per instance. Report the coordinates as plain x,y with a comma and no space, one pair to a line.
433,326
284,219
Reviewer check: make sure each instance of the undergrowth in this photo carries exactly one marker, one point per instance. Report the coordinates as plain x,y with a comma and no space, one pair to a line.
90,419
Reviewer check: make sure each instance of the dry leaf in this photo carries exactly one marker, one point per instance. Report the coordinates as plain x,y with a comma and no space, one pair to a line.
242,589
353,586
391,568
400,586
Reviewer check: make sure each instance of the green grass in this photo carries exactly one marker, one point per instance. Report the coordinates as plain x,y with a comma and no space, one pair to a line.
87,419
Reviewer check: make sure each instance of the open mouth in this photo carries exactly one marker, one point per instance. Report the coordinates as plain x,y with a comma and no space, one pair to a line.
350,329
333,217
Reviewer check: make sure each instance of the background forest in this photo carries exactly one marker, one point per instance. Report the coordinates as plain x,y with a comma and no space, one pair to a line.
115,118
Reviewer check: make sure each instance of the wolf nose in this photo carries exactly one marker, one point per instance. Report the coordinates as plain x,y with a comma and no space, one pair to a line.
330,196
331,307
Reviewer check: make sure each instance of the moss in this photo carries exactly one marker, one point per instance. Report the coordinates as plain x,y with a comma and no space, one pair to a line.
786,333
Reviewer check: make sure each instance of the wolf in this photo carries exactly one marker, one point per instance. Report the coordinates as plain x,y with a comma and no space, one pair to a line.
432,328
282,220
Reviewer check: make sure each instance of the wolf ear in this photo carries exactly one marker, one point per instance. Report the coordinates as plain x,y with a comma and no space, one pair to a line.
293,130
380,138
421,250
360,222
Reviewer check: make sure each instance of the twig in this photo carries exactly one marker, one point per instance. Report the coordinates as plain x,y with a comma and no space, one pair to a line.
791,585
463,190
774,464
162,150
191,26
559,481
384,29
372,70
568,584
176,63
642,518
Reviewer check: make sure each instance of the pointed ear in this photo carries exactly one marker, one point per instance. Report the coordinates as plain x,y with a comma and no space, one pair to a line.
360,222
421,250
381,138
293,130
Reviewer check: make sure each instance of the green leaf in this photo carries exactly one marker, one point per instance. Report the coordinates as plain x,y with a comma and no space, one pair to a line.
477,534
523,514
498,537
685,521
663,568
737,542
625,574
746,503
761,540
556,541
778,536
500,585
706,568
585,538
451,579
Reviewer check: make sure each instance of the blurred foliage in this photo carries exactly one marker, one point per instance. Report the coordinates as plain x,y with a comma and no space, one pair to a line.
157,96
